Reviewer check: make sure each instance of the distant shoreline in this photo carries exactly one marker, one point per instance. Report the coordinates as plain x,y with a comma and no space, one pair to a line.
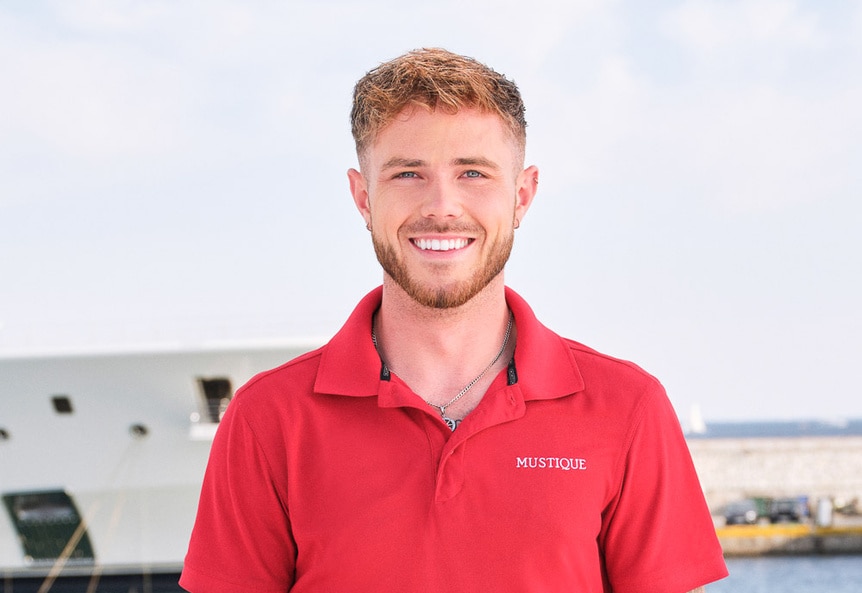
777,429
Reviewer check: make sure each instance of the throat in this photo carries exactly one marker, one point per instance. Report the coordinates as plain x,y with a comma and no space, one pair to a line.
442,406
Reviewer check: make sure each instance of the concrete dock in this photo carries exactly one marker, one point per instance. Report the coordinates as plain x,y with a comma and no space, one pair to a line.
814,468
789,538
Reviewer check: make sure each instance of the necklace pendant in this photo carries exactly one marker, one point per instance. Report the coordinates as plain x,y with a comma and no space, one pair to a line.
451,423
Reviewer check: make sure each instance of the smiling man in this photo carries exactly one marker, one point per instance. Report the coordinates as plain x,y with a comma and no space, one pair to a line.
448,191
445,440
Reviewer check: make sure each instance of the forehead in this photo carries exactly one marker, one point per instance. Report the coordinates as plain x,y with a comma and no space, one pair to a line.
419,132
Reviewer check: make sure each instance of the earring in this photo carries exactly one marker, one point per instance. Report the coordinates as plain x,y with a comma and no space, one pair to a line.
517,223
368,226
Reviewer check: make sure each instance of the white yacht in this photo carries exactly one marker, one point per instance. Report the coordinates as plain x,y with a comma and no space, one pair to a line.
102,457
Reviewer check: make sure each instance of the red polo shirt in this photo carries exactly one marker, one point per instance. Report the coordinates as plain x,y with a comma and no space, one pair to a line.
571,475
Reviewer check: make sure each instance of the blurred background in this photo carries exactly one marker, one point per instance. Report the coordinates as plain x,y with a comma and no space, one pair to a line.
172,177
174,173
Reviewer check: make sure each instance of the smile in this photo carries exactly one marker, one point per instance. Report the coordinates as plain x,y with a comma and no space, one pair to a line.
441,244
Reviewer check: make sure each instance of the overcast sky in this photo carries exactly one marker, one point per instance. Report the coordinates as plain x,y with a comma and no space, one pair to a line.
173,172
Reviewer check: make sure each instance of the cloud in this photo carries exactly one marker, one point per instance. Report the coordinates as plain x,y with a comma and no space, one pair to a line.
82,107
766,108
106,94
757,115
763,149
580,130
710,26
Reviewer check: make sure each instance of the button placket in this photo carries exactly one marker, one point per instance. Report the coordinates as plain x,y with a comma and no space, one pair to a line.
503,406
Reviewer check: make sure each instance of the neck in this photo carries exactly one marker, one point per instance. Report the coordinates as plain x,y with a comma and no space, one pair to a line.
438,351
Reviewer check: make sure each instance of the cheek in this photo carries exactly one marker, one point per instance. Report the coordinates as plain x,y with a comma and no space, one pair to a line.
392,211
388,222
495,213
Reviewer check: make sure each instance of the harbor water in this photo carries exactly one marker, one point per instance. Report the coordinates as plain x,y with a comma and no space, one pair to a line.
763,574
792,574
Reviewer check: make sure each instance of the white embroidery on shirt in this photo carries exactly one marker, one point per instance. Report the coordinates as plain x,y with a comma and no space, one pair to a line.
563,463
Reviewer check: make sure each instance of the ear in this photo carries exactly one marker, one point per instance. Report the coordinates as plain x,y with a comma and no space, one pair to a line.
527,185
359,190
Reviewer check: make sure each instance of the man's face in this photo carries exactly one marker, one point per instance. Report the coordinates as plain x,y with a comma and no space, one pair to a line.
442,194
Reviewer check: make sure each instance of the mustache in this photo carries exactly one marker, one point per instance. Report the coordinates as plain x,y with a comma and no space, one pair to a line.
431,226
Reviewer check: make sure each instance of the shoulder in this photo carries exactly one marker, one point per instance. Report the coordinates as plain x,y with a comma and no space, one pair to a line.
268,405
303,366
622,394
599,368
275,386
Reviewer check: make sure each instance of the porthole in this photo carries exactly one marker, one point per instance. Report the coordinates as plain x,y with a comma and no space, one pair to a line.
138,431
62,404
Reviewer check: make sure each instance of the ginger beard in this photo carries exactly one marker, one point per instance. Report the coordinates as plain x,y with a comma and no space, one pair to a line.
446,294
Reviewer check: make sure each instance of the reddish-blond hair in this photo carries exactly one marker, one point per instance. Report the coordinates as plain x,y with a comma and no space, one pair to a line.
435,79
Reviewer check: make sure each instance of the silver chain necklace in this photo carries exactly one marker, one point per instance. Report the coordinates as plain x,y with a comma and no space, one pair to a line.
451,422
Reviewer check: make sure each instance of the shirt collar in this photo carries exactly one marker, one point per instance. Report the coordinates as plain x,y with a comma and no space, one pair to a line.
350,365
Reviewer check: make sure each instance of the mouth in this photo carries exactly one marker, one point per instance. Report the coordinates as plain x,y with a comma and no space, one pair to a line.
441,244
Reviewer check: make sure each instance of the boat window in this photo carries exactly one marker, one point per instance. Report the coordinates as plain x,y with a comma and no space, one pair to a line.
216,393
62,404
48,526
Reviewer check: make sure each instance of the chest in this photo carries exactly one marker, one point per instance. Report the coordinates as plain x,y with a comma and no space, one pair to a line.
380,484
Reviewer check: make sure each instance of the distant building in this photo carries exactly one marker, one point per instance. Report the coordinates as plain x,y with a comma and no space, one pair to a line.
779,459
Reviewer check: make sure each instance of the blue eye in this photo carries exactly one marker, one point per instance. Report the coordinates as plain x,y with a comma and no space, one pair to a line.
472,174
406,175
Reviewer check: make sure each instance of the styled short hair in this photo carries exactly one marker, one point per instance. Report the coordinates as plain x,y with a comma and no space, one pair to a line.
436,79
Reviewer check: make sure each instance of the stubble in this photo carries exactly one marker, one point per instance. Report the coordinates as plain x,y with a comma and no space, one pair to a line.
445,294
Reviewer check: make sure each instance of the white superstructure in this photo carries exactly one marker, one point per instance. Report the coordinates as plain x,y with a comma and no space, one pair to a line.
102,455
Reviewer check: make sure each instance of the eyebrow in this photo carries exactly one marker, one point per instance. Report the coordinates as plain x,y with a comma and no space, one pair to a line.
478,161
398,162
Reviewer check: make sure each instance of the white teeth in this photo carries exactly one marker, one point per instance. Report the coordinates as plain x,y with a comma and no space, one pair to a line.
441,244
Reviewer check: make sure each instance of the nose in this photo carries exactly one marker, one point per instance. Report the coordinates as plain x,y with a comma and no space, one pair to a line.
442,201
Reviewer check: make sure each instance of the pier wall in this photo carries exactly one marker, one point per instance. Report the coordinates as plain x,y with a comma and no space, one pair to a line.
818,467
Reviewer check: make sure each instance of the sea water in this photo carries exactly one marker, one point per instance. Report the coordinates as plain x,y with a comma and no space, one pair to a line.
770,574
792,574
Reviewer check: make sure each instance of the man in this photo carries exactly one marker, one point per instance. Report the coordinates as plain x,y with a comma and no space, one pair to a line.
444,440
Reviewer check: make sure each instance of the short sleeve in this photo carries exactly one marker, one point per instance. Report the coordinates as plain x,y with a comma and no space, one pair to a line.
241,541
657,533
